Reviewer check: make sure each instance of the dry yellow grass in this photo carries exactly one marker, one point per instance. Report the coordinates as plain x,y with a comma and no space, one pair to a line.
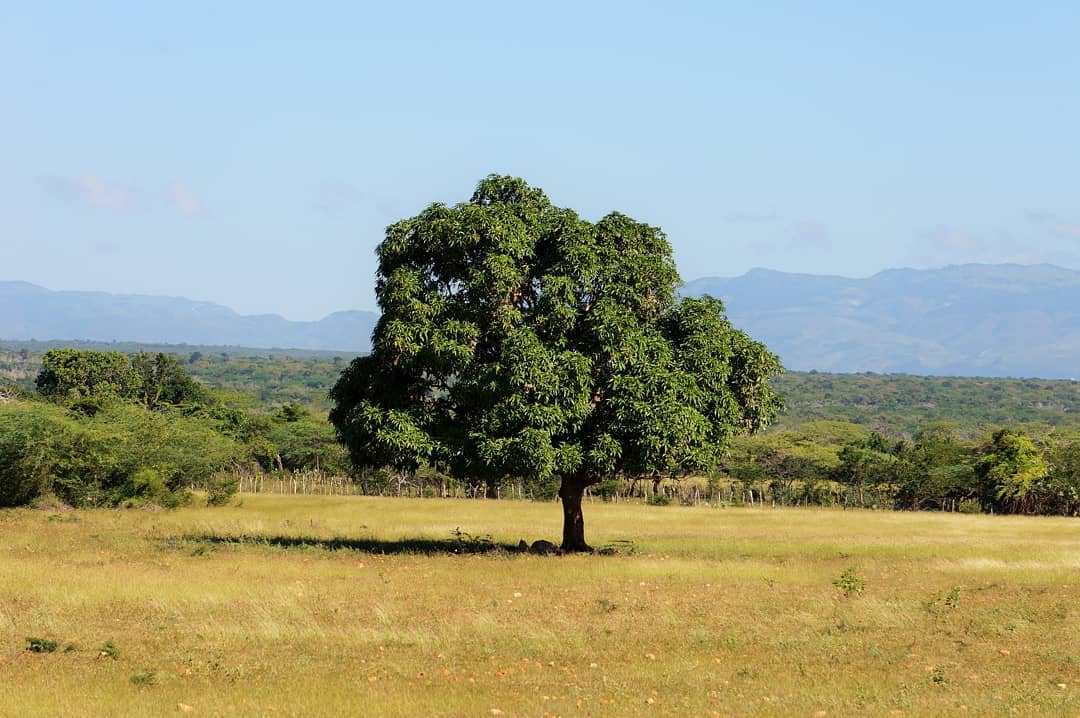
715,612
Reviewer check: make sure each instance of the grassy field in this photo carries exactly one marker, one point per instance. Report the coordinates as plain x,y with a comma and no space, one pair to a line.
283,606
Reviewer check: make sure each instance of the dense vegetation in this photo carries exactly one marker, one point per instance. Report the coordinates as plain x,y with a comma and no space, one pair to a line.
931,435
892,404
105,428
826,463
268,377
898,404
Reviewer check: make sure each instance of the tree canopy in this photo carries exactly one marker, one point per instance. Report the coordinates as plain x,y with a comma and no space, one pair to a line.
152,379
518,339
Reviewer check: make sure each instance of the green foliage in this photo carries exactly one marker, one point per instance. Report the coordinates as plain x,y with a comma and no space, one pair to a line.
937,470
37,443
163,381
1060,488
303,441
220,489
72,374
144,679
865,462
517,339
123,453
899,404
41,645
1008,469
87,379
850,582
271,382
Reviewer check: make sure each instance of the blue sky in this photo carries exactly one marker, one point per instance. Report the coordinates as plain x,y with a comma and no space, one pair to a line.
252,153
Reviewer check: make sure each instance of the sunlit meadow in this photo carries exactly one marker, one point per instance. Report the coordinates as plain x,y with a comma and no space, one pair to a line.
284,605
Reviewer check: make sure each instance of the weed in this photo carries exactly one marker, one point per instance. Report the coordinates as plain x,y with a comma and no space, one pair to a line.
658,500
849,582
109,650
605,605
467,543
950,600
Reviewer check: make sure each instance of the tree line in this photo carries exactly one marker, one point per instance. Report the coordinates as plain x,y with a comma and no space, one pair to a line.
1006,469
106,428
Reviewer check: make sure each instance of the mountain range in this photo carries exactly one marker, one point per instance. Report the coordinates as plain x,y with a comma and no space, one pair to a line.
28,311
962,320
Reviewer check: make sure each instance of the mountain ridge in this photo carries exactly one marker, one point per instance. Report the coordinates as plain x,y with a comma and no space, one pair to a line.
34,312
964,320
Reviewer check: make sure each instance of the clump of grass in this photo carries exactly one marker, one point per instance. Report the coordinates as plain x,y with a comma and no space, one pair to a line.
109,650
950,600
144,678
41,645
606,605
622,546
469,543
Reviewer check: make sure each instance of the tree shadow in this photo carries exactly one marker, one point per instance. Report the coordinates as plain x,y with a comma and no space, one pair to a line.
459,543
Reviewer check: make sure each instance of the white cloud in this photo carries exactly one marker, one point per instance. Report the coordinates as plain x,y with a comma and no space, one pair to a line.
185,200
90,189
99,193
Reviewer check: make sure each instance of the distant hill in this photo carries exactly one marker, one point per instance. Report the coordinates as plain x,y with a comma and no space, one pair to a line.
965,320
28,311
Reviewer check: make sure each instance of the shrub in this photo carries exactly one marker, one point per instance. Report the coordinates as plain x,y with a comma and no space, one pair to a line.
220,489
41,645
849,582
29,437
123,454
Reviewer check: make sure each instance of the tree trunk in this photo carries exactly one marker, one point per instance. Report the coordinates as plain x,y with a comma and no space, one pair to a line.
571,491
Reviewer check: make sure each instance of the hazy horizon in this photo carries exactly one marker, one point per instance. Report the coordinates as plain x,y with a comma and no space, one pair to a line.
374,308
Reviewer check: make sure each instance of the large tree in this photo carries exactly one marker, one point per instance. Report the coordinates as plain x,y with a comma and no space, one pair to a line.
517,339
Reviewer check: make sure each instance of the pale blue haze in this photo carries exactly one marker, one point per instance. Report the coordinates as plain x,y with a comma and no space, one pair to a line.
252,153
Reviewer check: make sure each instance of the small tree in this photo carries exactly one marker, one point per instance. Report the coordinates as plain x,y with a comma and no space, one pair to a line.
517,339
162,380
1008,470
73,374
